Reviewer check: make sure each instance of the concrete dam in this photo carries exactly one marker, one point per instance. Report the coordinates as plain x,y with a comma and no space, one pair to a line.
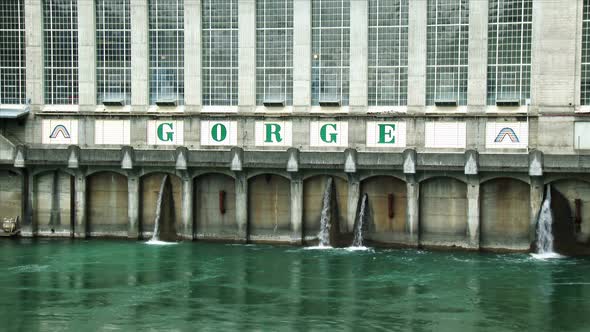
466,200
451,130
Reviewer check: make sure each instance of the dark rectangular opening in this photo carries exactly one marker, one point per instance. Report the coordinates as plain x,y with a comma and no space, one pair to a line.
167,102
273,102
330,101
507,102
445,102
113,102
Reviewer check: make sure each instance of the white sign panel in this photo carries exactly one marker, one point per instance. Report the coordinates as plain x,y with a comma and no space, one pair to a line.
445,134
219,133
116,132
507,135
328,133
582,135
59,132
162,132
273,133
386,134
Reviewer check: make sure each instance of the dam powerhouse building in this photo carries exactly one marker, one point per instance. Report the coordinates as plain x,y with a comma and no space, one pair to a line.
453,116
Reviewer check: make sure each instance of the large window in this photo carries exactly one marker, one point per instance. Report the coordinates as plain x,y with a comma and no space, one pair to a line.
274,51
60,21
586,54
12,52
509,50
447,49
113,46
388,52
220,52
330,22
166,29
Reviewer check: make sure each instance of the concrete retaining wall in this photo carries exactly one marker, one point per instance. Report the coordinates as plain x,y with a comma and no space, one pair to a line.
505,214
52,209
210,222
443,211
107,204
269,208
384,228
572,190
10,194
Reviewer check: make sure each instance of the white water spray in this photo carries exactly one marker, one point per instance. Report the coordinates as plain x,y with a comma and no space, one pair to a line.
357,242
156,234
326,216
545,229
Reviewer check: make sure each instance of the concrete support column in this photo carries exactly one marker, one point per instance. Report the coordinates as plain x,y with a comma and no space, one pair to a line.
554,43
354,194
413,211
302,55
247,55
80,227
297,209
478,56
34,52
24,195
192,55
29,224
87,54
537,188
359,50
187,207
417,56
140,55
133,206
242,205
55,213
473,220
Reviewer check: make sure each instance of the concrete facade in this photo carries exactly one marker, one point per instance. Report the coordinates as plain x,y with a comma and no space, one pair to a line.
442,196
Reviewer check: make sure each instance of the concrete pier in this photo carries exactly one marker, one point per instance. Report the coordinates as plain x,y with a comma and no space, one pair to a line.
297,210
80,219
133,191
492,209
242,206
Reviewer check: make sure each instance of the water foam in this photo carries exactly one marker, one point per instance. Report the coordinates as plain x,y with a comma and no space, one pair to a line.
547,255
319,247
358,248
156,242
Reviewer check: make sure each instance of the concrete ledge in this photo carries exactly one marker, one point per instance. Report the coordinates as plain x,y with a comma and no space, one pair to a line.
266,159
455,161
378,160
100,157
566,162
332,160
329,160
209,158
497,162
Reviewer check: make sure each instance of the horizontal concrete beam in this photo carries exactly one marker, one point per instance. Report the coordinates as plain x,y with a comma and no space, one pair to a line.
392,161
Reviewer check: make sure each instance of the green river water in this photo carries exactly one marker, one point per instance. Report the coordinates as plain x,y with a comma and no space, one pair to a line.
97,285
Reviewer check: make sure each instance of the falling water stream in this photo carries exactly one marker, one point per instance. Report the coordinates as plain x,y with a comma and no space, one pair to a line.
159,203
358,229
326,216
544,229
